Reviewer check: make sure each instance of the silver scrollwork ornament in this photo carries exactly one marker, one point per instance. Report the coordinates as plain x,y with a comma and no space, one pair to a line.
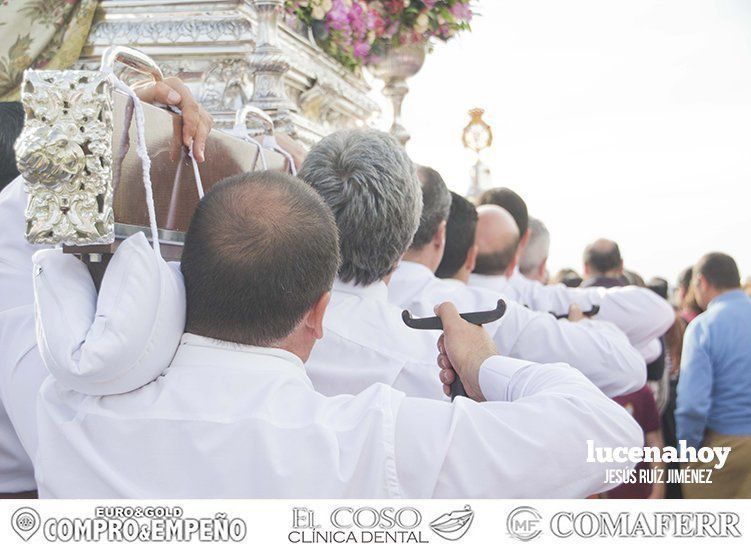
65,156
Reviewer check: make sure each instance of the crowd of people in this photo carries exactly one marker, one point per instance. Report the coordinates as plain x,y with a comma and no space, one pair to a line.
274,360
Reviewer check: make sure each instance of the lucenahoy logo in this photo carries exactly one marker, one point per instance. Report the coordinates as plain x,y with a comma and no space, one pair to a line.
454,525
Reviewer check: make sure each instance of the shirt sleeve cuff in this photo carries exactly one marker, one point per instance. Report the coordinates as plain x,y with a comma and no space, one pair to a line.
496,374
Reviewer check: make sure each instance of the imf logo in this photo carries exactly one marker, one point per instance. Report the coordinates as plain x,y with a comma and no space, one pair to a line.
523,523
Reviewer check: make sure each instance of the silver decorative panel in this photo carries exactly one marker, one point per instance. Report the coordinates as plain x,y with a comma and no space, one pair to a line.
65,156
223,48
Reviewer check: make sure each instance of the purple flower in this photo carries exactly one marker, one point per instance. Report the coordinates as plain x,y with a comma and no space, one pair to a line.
461,11
337,18
361,50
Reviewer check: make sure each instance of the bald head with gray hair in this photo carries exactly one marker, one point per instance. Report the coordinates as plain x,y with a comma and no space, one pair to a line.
538,247
370,184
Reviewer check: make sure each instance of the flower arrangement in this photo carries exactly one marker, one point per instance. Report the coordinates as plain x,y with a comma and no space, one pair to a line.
360,32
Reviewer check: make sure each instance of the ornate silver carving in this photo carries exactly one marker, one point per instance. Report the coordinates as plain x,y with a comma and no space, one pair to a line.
269,64
212,46
185,31
224,86
65,156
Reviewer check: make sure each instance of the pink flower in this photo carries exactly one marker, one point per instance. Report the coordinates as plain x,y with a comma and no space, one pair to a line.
337,18
357,20
361,50
461,11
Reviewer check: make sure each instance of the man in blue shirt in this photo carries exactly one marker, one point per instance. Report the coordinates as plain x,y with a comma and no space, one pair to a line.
714,391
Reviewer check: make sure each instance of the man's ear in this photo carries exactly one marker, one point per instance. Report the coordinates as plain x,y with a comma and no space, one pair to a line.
586,270
314,318
439,238
471,260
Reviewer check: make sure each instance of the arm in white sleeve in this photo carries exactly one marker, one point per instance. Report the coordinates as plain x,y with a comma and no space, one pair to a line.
641,314
557,298
638,312
529,440
598,349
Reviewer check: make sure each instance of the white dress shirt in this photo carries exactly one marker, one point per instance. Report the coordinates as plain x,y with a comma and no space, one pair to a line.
638,312
598,349
21,368
238,421
365,341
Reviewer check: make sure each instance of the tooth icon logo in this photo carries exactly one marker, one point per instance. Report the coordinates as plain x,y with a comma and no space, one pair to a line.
454,525
25,522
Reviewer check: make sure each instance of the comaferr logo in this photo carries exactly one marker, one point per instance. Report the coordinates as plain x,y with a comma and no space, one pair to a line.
526,523
646,524
453,525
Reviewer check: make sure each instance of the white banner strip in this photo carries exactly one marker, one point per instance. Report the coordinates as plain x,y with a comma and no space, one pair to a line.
374,522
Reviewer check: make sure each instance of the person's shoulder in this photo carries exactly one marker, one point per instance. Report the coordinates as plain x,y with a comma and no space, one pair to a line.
721,310
377,326
698,323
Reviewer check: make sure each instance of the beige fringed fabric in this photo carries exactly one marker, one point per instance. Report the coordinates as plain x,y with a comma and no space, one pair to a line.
41,34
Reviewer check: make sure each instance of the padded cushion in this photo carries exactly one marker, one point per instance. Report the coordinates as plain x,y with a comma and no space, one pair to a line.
120,339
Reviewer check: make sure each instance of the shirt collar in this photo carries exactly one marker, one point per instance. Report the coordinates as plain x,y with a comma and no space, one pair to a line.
411,267
729,295
496,283
378,290
230,353
453,282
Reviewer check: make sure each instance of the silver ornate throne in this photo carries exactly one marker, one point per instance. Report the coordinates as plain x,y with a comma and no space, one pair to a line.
232,53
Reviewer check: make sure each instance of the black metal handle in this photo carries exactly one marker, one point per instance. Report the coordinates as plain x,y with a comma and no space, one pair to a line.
457,388
593,311
435,323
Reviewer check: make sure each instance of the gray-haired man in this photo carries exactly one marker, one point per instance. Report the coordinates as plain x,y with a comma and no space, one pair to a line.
534,258
370,184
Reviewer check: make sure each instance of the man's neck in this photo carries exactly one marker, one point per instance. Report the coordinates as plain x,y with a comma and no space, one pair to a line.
617,274
297,342
425,256
719,292
463,275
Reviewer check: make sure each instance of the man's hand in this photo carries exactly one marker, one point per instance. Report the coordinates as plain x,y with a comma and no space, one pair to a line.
197,122
462,347
575,313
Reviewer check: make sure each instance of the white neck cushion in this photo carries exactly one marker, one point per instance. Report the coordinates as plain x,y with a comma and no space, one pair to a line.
119,340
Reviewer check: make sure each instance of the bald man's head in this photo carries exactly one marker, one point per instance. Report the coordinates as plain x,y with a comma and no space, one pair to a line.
497,240
602,257
260,251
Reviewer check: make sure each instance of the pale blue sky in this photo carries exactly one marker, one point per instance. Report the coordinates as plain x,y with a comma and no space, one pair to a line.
625,119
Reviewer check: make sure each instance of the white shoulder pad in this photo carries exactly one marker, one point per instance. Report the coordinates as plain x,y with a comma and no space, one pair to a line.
120,339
